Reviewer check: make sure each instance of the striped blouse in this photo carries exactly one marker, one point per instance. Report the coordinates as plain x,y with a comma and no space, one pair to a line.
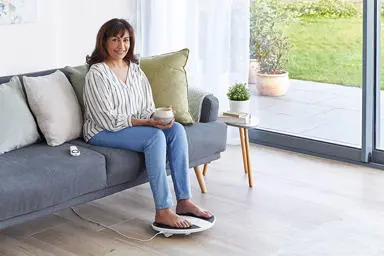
110,104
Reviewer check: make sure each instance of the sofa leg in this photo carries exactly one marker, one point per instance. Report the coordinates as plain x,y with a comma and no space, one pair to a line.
205,169
200,179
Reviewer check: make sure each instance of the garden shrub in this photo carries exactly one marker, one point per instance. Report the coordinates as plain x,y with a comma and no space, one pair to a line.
322,8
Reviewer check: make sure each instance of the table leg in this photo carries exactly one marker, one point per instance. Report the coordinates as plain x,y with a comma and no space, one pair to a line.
250,178
243,151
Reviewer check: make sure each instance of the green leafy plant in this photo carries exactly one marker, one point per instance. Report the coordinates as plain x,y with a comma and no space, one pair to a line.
268,44
239,92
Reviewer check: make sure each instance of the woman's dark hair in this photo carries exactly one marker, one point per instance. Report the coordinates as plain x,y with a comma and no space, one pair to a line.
111,28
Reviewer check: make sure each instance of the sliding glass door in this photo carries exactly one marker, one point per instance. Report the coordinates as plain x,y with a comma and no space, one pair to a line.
332,105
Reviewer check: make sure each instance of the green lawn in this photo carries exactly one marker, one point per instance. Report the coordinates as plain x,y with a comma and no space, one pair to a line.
327,50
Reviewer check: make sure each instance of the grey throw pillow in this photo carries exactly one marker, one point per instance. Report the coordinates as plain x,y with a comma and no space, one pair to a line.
55,106
17,125
76,76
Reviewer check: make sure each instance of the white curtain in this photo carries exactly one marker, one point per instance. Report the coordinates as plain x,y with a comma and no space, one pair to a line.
215,31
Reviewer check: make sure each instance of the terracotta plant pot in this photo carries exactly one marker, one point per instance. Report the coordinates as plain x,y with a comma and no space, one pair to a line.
272,84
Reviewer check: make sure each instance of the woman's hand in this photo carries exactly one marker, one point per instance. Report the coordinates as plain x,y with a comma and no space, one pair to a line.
166,126
174,111
153,122
158,124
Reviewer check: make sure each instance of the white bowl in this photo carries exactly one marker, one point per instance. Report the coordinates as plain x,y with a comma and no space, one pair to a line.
164,114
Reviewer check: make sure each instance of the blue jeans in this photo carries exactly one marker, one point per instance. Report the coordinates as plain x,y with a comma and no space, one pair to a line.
158,146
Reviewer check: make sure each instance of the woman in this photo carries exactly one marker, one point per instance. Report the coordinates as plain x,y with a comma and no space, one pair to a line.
118,113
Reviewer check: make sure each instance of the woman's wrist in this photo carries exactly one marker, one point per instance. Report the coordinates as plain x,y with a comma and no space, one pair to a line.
137,122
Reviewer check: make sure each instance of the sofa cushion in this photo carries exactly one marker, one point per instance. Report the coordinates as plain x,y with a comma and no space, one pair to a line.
122,165
168,78
55,106
40,176
199,146
18,127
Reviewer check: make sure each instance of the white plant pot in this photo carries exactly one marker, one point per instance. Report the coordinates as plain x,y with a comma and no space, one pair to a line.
272,84
239,106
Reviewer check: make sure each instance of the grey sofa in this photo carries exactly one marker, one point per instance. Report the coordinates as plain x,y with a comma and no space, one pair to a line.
39,179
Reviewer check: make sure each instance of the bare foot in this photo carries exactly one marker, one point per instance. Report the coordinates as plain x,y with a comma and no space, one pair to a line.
187,206
170,218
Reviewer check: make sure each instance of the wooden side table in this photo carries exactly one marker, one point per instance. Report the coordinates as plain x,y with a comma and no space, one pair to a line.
244,139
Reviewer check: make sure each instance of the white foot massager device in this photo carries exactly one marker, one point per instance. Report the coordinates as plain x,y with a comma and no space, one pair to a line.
199,224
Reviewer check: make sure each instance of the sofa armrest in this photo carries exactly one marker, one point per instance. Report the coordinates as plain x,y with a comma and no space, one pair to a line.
209,109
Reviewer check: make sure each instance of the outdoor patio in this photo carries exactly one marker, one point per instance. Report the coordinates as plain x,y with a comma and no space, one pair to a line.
325,112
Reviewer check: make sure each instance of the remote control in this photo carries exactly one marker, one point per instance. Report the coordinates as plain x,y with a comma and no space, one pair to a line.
74,151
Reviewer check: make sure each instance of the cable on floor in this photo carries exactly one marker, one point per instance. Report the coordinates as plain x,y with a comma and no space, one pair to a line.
114,230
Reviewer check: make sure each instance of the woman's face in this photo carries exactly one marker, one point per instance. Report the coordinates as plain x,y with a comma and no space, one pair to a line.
118,46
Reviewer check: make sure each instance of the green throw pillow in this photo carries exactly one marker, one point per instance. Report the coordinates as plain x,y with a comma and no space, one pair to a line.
76,76
168,78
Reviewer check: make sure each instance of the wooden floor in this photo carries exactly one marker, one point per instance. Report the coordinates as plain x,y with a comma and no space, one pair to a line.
300,205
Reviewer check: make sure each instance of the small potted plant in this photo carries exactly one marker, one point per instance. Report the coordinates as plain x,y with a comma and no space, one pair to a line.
239,98
270,47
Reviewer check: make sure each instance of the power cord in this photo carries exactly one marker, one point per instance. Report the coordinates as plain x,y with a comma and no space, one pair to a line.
114,230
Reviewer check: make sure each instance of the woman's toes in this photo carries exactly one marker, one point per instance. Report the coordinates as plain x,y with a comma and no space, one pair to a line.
185,223
182,223
188,223
207,214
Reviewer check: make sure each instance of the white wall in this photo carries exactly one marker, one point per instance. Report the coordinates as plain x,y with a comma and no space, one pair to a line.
64,34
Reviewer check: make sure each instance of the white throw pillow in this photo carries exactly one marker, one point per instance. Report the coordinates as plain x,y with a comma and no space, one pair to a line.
17,126
55,106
